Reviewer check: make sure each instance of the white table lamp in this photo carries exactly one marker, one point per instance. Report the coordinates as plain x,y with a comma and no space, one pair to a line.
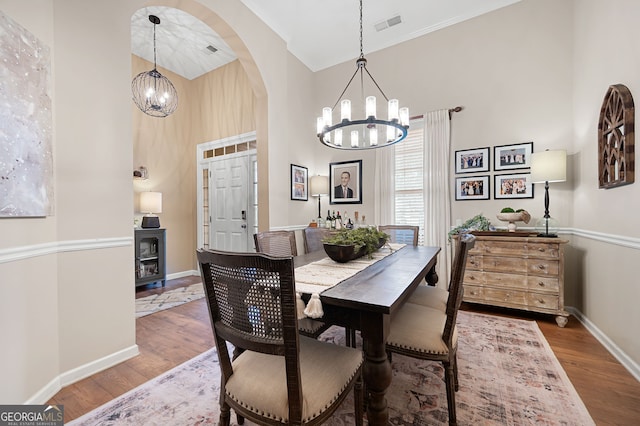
548,166
151,204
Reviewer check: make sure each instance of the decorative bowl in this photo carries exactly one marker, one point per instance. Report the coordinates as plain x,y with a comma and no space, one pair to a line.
343,253
511,218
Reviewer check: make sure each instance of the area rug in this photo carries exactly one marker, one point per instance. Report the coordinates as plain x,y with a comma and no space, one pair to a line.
508,376
168,299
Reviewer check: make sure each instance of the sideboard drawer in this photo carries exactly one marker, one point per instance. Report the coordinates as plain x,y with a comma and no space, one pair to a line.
474,277
506,296
541,250
504,264
543,267
473,293
474,262
541,300
515,281
549,284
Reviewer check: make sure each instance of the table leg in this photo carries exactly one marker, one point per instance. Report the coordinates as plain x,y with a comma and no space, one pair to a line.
377,369
432,276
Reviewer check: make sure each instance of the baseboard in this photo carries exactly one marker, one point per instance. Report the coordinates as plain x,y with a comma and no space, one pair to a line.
614,349
183,274
79,373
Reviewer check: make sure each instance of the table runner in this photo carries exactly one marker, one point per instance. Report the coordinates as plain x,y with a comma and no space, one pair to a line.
318,276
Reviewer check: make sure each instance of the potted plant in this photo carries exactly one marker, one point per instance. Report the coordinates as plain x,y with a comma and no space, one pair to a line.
348,244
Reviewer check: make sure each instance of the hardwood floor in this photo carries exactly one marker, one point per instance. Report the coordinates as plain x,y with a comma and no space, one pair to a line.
171,337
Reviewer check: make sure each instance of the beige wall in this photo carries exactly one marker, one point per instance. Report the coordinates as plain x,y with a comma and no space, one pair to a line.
606,46
536,70
66,286
216,105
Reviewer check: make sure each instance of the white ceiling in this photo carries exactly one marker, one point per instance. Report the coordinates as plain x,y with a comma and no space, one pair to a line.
319,33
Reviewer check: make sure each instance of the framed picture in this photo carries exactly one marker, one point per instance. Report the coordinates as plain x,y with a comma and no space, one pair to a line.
299,183
509,157
472,188
346,181
473,160
513,186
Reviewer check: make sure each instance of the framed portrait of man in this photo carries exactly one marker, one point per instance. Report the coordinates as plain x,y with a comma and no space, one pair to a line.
346,182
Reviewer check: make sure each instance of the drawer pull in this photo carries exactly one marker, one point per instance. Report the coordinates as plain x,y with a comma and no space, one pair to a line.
541,301
472,278
542,267
540,249
541,284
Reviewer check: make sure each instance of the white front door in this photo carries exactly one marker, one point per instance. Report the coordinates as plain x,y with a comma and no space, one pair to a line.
229,205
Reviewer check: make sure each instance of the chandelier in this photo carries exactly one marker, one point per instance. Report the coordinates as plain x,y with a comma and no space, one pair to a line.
152,92
370,131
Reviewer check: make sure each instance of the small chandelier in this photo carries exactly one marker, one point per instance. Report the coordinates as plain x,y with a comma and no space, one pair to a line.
368,132
152,92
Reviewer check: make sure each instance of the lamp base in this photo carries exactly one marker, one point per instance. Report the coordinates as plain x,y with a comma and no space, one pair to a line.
150,222
543,235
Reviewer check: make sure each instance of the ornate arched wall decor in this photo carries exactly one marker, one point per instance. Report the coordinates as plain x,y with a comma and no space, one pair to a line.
616,157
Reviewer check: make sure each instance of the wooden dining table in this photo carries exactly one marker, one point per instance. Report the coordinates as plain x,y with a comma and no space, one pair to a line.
367,301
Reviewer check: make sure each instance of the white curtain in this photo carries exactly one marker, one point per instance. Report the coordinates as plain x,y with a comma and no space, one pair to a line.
437,200
384,182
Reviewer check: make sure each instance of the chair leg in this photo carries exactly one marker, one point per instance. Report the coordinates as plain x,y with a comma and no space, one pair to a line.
358,398
240,419
451,393
225,415
455,372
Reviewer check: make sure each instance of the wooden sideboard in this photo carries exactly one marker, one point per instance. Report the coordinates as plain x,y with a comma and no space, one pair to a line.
520,272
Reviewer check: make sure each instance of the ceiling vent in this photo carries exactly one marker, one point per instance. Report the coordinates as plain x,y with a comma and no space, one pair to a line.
383,25
212,49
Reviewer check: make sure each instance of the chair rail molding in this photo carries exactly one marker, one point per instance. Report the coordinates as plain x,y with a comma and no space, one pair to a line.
13,254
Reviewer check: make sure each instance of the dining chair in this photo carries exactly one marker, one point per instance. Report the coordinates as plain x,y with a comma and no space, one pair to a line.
279,376
276,243
313,238
430,334
283,243
402,234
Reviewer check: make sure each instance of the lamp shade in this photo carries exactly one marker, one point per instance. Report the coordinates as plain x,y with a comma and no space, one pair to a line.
151,202
319,185
549,166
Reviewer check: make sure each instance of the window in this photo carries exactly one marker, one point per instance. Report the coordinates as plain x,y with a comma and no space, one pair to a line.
409,181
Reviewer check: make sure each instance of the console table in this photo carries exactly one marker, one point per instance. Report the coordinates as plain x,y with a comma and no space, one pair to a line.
517,272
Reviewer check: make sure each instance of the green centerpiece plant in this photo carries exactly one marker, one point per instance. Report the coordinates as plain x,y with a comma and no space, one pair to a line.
365,240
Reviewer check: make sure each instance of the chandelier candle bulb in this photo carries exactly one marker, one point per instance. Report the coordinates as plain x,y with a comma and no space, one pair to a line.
393,109
320,124
354,138
373,136
345,110
404,116
371,106
326,116
338,136
391,133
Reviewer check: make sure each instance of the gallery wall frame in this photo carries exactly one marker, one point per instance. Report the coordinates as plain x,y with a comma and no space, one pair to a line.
299,183
513,185
348,173
512,157
473,188
473,160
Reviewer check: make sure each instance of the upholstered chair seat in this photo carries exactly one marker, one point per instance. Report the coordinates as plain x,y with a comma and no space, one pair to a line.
419,329
430,296
326,370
